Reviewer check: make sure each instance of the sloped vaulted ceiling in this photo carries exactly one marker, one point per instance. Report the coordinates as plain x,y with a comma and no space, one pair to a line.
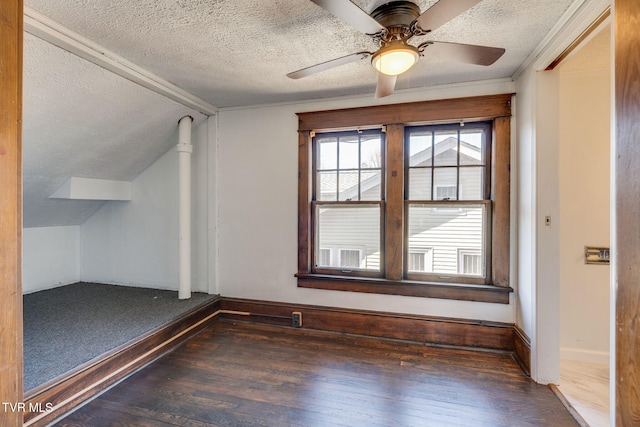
81,120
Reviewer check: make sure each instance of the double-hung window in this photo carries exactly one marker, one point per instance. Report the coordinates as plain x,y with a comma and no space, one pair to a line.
448,198
347,201
407,199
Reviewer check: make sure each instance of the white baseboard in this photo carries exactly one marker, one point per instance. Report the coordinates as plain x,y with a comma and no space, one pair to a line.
581,355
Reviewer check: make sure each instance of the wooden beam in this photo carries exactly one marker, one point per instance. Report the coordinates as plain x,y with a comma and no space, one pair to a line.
304,199
11,379
627,205
410,113
500,241
394,215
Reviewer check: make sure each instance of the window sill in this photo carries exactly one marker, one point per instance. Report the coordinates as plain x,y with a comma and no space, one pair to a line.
462,292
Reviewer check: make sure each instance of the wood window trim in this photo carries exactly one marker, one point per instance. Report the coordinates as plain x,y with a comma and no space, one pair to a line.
494,108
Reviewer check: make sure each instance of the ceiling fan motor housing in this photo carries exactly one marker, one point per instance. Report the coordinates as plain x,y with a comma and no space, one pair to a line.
397,17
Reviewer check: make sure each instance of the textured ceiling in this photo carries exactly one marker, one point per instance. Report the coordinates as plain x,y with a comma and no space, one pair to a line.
81,120
238,52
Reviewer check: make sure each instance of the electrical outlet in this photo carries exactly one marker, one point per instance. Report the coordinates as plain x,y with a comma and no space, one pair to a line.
296,319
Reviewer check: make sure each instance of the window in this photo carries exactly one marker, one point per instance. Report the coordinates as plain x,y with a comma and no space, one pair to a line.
343,258
446,192
448,196
347,200
470,262
324,257
420,260
393,204
350,258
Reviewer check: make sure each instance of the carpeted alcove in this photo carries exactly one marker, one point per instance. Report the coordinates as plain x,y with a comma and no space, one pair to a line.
67,326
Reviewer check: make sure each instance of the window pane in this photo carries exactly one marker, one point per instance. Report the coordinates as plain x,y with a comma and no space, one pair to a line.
471,142
470,263
324,257
448,230
445,182
420,149
327,182
349,152
446,148
416,261
355,228
350,258
370,188
446,192
328,153
370,152
420,262
349,188
472,183
420,184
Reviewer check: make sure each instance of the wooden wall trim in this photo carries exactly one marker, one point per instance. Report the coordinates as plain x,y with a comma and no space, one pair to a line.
470,109
64,393
626,251
424,329
500,238
11,353
479,293
522,350
304,199
394,207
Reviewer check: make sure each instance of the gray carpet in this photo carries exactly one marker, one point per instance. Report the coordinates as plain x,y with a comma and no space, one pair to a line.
70,325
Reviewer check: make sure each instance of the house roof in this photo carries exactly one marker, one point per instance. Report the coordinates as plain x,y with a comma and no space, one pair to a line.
348,182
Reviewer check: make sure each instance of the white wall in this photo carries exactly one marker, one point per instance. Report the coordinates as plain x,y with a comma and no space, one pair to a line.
257,184
547,300
538,196
525,203
50,257
584,212
136,242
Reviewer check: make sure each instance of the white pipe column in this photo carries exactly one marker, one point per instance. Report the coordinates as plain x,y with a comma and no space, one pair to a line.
184,170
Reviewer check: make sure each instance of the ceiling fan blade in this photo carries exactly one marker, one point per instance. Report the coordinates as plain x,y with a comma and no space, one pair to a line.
350,13
386,85
323,66
442,12
467,53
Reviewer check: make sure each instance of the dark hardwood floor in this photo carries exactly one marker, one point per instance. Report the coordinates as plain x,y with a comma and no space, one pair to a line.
252,375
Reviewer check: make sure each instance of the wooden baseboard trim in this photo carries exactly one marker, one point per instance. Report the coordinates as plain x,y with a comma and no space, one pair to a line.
522,352
476,334
58,396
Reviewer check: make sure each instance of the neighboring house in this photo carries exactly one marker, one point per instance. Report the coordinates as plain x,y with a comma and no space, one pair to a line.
443,239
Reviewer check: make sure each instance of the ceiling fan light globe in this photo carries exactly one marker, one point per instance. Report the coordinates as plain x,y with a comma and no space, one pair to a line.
395,60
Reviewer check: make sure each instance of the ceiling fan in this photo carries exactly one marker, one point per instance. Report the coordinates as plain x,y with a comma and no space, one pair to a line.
391,25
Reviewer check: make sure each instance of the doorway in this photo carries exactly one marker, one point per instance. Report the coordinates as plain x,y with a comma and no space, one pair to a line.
584,195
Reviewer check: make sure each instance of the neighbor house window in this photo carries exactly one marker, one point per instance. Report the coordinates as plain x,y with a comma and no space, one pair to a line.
324,257
470,262
420,261
350,258
393,204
